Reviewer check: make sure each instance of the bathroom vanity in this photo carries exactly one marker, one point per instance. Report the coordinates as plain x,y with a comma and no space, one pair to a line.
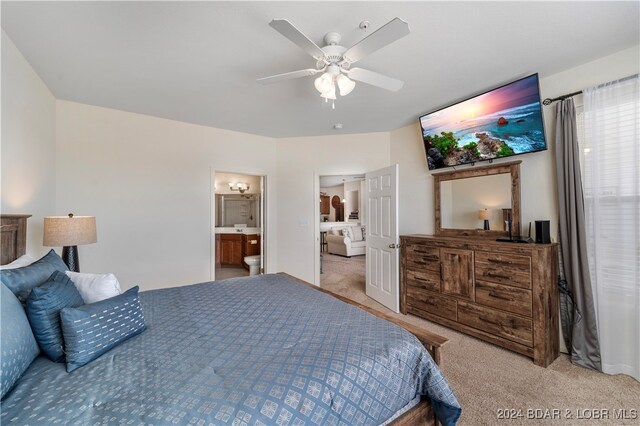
234,244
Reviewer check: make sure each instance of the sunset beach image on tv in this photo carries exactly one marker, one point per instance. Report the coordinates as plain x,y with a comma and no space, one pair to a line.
500,123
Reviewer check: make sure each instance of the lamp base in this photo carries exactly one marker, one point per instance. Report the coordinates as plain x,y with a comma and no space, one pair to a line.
486,225
70,257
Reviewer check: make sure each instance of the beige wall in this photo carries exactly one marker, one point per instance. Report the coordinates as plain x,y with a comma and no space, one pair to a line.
148,181
28,144
300,160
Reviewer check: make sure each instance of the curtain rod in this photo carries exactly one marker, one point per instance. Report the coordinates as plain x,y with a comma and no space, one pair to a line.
549,101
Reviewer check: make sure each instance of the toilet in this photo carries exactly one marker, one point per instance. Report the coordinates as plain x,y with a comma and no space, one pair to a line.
254,264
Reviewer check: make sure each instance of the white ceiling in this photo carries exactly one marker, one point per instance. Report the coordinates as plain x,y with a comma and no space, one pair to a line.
198,61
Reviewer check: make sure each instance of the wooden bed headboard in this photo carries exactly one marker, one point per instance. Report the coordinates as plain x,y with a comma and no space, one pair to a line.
13,234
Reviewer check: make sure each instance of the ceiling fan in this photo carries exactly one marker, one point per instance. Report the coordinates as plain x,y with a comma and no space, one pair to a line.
334,61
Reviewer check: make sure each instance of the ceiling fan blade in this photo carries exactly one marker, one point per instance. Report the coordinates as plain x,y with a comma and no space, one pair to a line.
288,30
288,76
387,34
375,79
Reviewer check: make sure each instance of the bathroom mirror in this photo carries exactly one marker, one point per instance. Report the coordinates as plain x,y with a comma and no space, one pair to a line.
238,209
477,202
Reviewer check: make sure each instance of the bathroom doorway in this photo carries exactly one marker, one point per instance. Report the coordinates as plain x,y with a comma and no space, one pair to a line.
238,206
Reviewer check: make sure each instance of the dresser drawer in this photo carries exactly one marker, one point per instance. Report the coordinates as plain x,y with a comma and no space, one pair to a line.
432,303
509,269
507,298
424,279
423,257
508,326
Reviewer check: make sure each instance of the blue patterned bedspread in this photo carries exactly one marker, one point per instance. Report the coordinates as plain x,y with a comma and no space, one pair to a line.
246,351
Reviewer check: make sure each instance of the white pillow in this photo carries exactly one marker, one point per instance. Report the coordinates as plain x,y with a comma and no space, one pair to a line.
95,287
21,262
357,233
346,232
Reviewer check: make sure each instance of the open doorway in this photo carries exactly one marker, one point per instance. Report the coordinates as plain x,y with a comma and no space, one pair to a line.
373,274
342,246
239,215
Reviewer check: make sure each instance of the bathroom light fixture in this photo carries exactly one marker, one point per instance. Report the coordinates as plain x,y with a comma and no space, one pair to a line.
240,186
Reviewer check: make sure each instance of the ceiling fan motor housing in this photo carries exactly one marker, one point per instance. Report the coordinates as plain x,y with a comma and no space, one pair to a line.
333,53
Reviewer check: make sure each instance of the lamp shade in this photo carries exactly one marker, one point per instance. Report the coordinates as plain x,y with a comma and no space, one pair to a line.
324,83
345,84
484,214
330,94
61,231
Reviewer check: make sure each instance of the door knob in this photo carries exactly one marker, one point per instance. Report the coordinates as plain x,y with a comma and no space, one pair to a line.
394,246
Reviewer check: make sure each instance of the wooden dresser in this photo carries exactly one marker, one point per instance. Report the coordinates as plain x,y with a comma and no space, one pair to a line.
503,293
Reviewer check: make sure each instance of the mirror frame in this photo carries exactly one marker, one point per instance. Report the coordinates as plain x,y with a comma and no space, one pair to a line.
512,167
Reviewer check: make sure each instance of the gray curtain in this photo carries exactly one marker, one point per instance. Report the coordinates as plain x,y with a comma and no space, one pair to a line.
577,298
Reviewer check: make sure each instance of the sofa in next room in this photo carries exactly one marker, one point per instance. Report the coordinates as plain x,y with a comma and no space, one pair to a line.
347,241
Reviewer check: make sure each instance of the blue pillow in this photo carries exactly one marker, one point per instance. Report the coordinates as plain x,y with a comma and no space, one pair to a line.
21,280
19,347
43,309
91,330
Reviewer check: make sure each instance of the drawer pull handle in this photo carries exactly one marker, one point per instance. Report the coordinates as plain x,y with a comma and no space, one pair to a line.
430,257
417,250
493,274
498,296
500,261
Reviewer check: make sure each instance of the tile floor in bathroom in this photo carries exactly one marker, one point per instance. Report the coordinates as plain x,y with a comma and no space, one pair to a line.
224,273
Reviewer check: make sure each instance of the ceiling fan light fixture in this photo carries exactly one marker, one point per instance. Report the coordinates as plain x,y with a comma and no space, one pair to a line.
330,94
345,84
324,83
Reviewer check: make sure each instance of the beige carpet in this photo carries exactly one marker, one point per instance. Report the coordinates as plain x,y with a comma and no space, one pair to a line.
487,379
342,271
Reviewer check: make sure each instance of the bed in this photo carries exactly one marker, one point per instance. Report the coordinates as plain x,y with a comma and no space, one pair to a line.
257,350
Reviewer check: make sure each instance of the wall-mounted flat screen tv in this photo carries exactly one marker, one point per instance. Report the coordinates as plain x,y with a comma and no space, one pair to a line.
499,123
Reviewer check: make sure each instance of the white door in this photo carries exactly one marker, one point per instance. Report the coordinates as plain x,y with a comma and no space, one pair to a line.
381,199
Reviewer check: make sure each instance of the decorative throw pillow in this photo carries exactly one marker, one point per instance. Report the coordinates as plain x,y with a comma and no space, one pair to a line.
43,309
357,233
346,232
24,260
21,280
95,287
92,330
19,347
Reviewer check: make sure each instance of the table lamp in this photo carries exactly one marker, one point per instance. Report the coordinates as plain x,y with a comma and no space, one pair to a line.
69,232
484,214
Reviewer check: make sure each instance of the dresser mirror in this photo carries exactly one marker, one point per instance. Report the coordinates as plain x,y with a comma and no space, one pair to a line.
478,202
